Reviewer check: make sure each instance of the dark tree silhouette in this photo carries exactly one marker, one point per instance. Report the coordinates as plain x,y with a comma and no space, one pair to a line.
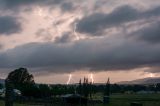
44,90
90,90
1,86
158,87
107,88
80,87
20,76
23,81
86,88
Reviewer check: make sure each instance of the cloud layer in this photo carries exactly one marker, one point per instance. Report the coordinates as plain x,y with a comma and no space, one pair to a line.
149,34
94,55
112,35
9,25
96,23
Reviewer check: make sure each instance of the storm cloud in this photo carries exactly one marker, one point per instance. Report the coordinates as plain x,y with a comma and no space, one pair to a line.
149,34
65,38
45,46
95,55
155,69
96,23
9,25
20,5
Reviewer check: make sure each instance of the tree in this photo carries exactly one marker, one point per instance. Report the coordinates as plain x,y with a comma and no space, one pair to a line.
158,86
80,87
20,76
85,88
23,81
107,88
44,90
1,86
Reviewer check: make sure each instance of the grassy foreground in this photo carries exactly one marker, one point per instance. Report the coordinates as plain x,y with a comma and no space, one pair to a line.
126,99
120,100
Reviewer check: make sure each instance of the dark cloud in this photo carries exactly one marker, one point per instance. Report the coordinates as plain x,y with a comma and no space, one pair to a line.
150,34
67,6
44,34
65,38
107,53
151,12
96,23
9,25
155,69
16,3
19,5
95,54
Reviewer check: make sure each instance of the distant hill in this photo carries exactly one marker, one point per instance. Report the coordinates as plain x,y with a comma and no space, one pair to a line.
149,80
1,81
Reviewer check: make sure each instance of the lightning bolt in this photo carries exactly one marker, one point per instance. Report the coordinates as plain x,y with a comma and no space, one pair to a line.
75,24
41,13
74,31
77,16
91,77
151,75
69,79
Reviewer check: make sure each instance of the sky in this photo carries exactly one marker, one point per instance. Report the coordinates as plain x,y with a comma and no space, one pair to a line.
55,39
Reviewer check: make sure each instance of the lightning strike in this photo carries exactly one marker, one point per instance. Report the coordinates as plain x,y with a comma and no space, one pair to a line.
91,77
41,13
151,75
69,79
75,24
74,31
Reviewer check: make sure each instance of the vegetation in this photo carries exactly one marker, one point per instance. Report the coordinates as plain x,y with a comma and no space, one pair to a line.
120,95
107,88
24,81
20,76
116,100
1,86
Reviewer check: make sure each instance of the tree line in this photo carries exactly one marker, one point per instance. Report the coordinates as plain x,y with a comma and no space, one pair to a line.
24,81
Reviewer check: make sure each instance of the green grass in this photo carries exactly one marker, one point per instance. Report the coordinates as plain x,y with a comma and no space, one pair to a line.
126,99
120,100
1,103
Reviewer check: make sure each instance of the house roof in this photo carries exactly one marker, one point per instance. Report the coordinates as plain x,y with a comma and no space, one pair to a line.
71,95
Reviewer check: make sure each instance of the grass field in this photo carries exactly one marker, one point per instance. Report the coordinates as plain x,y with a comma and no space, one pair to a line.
126,99
120,100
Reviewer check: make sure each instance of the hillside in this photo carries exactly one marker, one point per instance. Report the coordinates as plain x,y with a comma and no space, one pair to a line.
149,80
